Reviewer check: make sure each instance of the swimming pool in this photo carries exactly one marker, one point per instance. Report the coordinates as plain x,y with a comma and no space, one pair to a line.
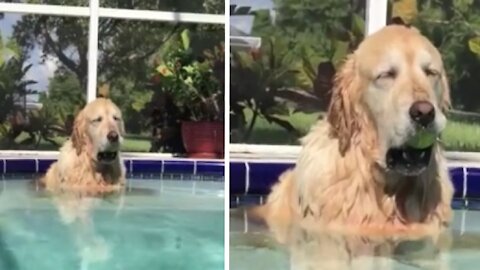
168,218
253,246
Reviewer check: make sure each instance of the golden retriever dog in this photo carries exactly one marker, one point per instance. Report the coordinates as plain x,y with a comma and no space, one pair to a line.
355,171
90,159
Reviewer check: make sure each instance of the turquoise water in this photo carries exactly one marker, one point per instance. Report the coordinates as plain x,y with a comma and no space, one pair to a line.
253,246
154,225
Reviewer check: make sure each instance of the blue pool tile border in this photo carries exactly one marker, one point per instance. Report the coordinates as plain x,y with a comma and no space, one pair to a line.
133,166
250,177
20,166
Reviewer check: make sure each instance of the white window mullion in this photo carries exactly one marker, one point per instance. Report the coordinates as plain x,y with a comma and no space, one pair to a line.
92,51
54,10
163,16
376,15
128,14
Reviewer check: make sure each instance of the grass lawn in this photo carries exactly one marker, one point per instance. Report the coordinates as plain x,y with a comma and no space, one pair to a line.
462,136
458,136
270,133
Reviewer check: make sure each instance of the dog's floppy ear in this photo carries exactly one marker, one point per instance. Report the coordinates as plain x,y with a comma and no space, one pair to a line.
445,101
341,114
79,139
122,126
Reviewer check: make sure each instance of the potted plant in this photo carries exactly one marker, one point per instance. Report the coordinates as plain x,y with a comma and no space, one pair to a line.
195,84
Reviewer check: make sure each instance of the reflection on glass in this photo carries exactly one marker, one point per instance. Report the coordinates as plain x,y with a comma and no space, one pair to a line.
162,75
43,75
197,6
453,27
284,54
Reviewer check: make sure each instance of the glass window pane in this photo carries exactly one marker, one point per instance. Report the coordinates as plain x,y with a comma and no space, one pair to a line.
284,55
160,75
196,6
453,27
43,75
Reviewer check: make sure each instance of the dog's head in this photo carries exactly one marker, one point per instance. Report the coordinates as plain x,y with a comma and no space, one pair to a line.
98,130
396,82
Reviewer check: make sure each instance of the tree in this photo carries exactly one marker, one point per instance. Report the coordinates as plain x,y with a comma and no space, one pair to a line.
301,48
255,82
12,77
64,94
315,28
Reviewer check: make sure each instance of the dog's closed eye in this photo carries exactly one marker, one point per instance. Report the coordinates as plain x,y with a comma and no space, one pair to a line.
97,120
430,72
389,74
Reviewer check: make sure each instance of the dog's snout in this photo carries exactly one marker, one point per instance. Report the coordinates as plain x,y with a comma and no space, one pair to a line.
112,136
422,112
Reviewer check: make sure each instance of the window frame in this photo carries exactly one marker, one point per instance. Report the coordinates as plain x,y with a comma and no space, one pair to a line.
94,12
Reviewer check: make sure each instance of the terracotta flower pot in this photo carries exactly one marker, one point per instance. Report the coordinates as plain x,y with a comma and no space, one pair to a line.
203,139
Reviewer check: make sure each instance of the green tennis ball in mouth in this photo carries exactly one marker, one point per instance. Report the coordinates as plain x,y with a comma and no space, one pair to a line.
423,139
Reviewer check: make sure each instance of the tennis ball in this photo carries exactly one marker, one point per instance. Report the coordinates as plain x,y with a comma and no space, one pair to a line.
422,139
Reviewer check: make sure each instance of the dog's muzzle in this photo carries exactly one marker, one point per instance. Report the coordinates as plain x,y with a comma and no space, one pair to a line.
411,161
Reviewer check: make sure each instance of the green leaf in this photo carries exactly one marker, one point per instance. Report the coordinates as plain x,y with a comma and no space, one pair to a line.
185,35
281,122
297,96
189,69
164,70
141,99
243,59
463,5
27,68
474,45
279,109
189,80
308,67
341,50
13,47
358,27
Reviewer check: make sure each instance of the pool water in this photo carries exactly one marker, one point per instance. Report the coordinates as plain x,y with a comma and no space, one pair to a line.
156,224
253,247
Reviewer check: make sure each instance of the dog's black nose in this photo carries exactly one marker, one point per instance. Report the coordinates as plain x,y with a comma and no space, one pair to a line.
422,112
112,136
